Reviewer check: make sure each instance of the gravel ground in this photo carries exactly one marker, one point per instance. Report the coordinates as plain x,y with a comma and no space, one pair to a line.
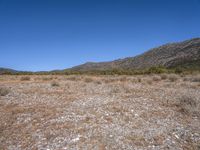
99,112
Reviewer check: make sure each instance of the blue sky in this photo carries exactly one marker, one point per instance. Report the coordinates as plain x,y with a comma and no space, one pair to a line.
56,34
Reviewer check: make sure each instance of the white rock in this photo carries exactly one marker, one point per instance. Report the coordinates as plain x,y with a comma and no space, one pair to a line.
136,115
176,136
76,139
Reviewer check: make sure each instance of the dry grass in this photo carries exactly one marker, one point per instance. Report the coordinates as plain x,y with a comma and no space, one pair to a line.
186,79
123,79
156,78
4,91
47,78
149,82
163,76
139,80
98,82
54,83
192,79
109,80
25,78
72,78
189,105
196,79
88,80
173,77
93,112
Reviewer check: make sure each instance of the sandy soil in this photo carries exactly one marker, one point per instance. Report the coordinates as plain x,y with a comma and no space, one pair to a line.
99,112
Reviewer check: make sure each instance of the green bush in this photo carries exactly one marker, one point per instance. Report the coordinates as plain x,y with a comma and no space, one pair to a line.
156,70
178,70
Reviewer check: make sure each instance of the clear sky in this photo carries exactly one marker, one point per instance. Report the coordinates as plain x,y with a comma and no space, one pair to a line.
56,34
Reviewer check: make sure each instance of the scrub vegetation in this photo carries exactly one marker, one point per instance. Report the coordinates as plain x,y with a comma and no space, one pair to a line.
152,111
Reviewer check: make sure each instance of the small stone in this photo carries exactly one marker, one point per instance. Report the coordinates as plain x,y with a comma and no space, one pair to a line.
136,115
110,135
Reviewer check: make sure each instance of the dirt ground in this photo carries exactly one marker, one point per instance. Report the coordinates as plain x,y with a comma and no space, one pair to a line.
50,112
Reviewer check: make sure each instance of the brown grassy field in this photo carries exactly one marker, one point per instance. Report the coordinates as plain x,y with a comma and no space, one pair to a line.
50,112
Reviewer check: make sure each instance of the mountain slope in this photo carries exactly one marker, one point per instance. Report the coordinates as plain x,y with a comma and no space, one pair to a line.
7,71
169,55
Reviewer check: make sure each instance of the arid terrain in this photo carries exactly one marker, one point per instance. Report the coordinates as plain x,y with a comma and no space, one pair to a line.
49,112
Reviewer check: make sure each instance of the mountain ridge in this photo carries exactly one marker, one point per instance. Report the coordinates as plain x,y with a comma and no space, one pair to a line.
177,54
167,55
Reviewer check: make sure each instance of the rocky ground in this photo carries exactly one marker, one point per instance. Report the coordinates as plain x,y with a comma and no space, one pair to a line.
100,112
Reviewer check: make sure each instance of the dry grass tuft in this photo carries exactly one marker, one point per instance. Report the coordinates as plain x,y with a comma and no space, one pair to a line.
25,78
186,79
115,90
189,105
192,79
47,78
123,79
163,76
98,82
4,91
156,78
173,78
73,78
196,79
54,83
88,80
139,80
149,82
109,80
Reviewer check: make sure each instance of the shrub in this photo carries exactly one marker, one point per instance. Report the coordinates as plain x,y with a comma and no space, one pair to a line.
173,78
178,70
54,83
98,82
47,78
115,90
26,78
3,91
186,79
149,82
72,78
156,78
156,70
109,80
123,79
189,105
163,76
139,80
196,79
88,80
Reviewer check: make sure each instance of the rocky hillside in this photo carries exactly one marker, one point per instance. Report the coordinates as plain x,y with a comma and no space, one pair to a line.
186,53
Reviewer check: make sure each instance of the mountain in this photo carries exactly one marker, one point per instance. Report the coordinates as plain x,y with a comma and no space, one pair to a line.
180,54
184,54
7,71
